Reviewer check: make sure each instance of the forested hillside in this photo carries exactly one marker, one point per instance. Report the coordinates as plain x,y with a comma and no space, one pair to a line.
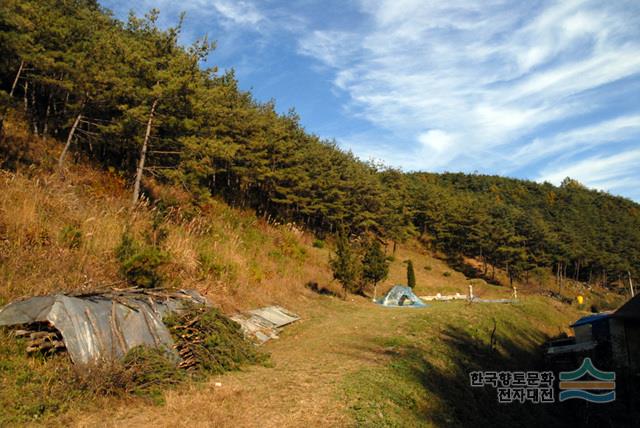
128,97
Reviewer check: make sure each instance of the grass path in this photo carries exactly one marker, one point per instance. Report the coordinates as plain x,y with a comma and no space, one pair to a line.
335,341
302,389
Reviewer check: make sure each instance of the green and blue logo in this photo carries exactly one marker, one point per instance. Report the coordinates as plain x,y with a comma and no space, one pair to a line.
571,385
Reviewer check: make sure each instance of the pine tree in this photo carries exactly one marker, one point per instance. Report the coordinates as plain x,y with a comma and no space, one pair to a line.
411,275
375,266
345,265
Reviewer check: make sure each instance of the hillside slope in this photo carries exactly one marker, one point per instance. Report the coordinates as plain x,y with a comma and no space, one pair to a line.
130,97
60,231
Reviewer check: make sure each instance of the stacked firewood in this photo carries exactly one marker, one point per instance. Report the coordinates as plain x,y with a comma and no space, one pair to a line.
189,337
45,340
207,341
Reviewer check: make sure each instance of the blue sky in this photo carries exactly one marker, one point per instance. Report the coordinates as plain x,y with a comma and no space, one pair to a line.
539,90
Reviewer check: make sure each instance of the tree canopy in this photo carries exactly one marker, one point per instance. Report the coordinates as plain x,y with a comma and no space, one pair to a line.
130,97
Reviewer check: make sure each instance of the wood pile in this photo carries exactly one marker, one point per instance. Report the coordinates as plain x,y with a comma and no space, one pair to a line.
41,338
190,337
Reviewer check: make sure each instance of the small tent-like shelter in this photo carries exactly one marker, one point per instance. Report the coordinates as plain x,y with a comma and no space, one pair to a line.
401,296
102,325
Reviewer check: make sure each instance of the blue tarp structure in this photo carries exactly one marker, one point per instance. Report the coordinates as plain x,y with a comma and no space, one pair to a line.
401,296
592,319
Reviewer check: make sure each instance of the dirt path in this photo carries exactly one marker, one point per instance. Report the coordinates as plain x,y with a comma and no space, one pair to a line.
302,389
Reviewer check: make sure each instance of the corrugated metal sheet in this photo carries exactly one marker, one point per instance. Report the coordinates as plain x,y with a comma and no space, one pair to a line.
263,324
103,326
277,315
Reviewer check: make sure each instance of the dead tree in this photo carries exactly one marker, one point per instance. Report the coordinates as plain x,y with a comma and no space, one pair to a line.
69,139
143,154
15,81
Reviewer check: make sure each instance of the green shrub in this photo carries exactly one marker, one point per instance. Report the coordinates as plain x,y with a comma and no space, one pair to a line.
140,264
148,371
428,268
211,343
71,236
411,275
446,273
346,265
209,265
144,371
318,243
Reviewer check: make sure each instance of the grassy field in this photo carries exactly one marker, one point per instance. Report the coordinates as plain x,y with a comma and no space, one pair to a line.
352,363
348,362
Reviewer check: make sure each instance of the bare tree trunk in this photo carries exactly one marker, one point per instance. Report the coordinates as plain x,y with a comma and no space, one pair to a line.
15,81
5,109
143,154
69,139
26,98
34,115
631,284
45,126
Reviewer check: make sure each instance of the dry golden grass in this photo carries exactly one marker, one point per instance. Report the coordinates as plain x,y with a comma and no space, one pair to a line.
238,260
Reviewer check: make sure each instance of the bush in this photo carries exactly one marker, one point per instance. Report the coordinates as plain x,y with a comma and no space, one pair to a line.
446,274
346,265
411,275
140,264
209,342
144,371
318,243
71,236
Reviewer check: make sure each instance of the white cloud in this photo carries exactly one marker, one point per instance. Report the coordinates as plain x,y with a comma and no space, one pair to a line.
491,73
437,140
577,140
332,48
609,173
239,12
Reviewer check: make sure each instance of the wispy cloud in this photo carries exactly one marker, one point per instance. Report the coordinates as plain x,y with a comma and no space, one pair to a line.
463,78
609,173
500,86
619,129
238,12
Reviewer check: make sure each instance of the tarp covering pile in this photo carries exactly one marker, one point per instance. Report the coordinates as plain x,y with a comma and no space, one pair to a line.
401,296
264,324
103,326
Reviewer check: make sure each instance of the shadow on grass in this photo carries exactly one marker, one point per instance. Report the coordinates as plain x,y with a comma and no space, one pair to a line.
430,385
